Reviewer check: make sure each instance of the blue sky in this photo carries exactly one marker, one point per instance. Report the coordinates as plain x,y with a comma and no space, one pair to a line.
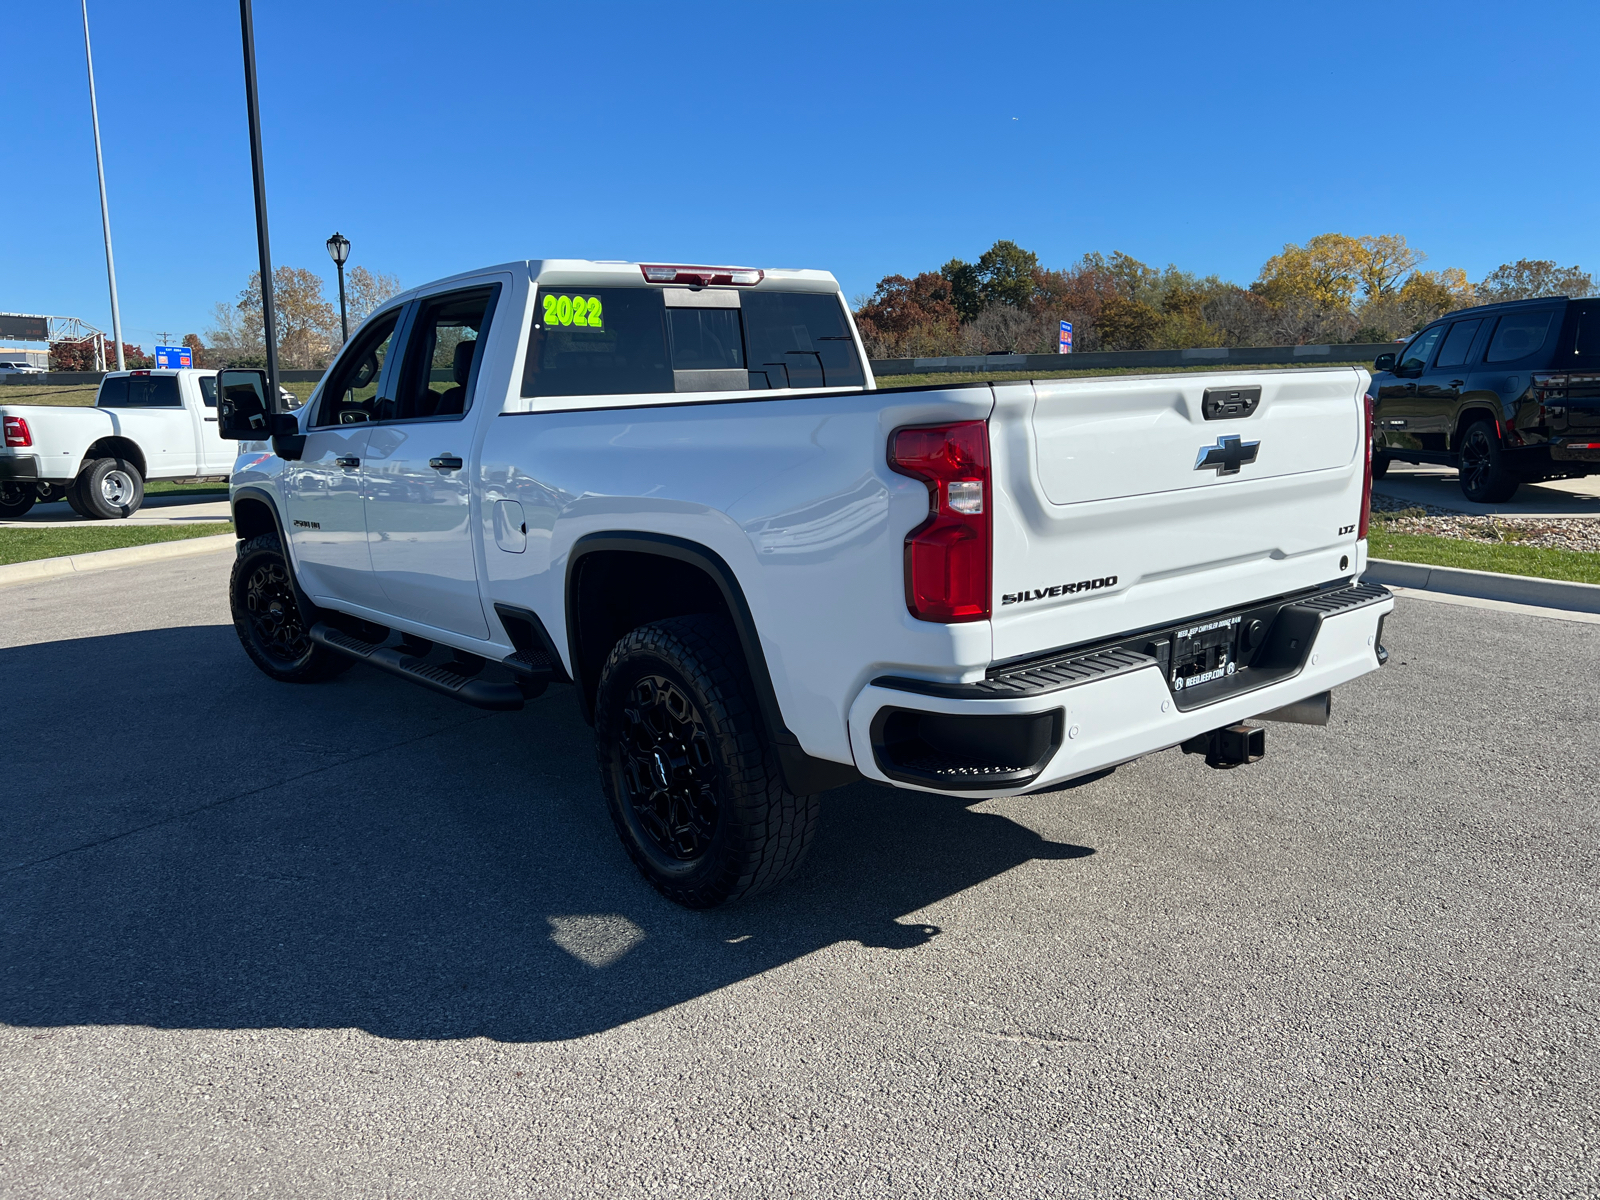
860,138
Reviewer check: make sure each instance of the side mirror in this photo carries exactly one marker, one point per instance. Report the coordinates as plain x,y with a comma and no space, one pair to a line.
243,414
1384,362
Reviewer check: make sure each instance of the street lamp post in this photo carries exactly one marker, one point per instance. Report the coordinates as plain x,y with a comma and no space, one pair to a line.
339,250
105,213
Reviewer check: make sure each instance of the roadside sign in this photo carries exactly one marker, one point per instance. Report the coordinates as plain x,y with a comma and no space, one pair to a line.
1065,347
171,357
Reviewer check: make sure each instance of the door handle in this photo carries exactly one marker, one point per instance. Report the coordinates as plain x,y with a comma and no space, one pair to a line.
1455,383
348,462
445,462
210,420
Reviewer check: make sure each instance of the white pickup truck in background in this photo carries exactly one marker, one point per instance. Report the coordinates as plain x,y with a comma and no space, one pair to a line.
679,490
157,424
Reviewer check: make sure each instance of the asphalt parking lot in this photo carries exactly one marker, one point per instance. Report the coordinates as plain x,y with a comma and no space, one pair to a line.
357,940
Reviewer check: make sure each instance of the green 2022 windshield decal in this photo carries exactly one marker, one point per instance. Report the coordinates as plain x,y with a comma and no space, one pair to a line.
582,311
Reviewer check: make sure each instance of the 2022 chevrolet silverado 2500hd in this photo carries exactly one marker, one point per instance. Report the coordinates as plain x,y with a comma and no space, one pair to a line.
158,424
678,489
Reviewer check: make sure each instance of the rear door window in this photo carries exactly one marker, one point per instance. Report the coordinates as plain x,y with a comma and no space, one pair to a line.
1457,342
597,342
799,340
1519,334
208,390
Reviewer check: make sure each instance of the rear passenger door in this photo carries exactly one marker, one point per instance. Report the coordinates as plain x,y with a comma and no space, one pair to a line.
417,473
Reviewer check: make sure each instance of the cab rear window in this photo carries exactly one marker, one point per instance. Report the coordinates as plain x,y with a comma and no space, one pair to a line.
139,391
626,341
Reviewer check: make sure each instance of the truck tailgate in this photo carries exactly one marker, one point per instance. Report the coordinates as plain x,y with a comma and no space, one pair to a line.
1122,507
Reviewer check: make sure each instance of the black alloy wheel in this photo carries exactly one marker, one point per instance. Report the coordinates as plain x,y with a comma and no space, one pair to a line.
1484,478
274,615
268,620
693,785
668,770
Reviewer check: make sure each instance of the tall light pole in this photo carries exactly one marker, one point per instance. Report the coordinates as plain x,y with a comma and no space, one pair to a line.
105,212
339,250
269,319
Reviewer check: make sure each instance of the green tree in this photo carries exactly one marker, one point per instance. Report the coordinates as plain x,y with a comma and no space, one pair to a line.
965,287
1005,274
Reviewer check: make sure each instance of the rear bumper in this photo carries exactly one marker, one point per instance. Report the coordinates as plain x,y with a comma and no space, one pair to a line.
19,466
1121,709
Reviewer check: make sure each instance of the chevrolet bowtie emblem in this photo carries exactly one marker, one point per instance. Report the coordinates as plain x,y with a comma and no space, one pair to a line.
1227,456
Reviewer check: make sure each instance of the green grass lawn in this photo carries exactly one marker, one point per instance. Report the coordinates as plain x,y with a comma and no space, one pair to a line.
167,487
17,393
25,545
1543,562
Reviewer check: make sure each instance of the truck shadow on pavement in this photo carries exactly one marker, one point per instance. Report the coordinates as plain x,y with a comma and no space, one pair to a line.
190,845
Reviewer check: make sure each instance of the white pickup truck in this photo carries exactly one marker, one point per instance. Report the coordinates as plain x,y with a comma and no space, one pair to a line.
679,490
158,424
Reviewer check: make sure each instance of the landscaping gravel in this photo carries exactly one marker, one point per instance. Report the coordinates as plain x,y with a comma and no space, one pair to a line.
1396,516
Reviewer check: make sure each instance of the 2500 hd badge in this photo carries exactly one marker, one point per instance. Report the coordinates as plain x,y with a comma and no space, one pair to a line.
1061,589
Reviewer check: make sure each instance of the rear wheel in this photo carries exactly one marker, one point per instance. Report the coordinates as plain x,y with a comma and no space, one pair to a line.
693,787
15,500
268,620
1485,478
109,488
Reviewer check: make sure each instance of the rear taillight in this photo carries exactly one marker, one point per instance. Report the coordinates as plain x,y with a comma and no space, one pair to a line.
701,276
1366,478
17,433
947,556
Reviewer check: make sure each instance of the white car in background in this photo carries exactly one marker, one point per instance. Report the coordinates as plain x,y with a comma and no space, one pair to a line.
19,366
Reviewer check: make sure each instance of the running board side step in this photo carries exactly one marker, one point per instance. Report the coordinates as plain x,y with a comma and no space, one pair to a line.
480,693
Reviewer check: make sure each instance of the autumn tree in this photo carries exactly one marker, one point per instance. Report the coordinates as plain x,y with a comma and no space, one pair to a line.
907,318
197,349
1527,279
366,291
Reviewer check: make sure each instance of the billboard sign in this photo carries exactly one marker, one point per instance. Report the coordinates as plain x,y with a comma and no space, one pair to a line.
1065,345
171,357
20,328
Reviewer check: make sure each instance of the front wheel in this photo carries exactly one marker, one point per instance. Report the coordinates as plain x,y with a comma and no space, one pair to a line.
1485,478
1380,464
15,500
109,488
693,787
268,620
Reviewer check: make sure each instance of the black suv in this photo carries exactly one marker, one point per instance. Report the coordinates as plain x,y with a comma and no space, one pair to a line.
1508,393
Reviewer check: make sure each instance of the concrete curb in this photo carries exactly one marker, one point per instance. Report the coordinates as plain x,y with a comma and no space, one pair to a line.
100,560
1486,585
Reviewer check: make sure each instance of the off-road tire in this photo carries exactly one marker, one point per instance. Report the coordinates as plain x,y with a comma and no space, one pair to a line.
267,617
16,499
726,826
109,488
1485,477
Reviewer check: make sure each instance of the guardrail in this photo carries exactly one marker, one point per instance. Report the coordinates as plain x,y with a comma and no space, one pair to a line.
1359,352
1238,356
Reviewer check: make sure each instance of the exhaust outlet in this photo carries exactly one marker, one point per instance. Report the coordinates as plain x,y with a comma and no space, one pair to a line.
1231,746
1313,710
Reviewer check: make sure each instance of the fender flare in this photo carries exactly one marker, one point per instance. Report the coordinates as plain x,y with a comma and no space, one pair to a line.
250,492
805,775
